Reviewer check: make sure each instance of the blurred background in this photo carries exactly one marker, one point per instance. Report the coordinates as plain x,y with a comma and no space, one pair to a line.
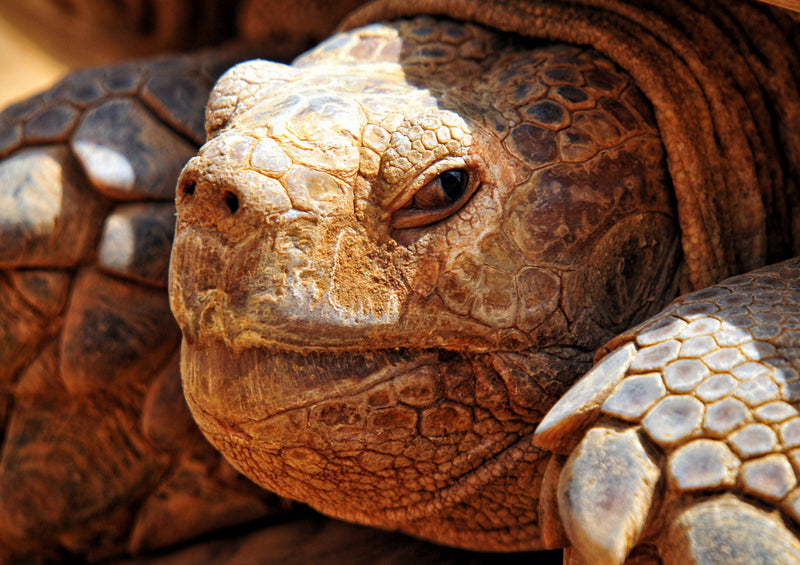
26,67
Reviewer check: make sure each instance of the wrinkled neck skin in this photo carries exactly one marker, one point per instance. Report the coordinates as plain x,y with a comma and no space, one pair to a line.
394,256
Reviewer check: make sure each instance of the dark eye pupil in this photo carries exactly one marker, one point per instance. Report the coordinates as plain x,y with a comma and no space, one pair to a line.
453,183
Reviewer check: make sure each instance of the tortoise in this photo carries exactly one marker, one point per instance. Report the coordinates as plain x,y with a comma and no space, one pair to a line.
391,259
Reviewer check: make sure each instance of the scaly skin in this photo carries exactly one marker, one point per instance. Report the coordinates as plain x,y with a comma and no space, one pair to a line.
92,437
686,437
441,332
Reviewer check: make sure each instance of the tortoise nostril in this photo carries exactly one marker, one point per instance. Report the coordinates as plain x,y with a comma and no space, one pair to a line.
231,201
188,187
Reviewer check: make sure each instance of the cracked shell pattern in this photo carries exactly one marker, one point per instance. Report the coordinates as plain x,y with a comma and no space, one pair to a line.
93,416
730,419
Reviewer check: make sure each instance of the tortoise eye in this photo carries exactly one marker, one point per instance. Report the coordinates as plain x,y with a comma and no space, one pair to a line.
438,198
441,191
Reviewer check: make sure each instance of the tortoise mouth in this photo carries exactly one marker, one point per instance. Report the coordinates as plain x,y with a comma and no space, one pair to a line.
389,438
259,383
396,438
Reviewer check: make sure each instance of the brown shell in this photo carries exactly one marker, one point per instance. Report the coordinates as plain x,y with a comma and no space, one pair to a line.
100,453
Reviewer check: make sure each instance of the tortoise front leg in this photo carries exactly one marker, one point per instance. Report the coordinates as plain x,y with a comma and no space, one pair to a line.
685,438
728,529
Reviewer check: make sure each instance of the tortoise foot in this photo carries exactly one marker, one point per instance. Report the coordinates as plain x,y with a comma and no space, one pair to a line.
726,529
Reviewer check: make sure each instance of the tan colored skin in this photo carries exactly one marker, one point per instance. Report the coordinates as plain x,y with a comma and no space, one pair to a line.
100,456
354,341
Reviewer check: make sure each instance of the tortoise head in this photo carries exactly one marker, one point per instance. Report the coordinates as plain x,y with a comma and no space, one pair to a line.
392,257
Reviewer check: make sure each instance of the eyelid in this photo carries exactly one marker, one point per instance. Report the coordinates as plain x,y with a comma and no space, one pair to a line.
409,218
426,176
417,218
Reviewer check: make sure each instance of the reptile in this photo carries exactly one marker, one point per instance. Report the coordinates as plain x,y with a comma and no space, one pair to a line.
393,257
